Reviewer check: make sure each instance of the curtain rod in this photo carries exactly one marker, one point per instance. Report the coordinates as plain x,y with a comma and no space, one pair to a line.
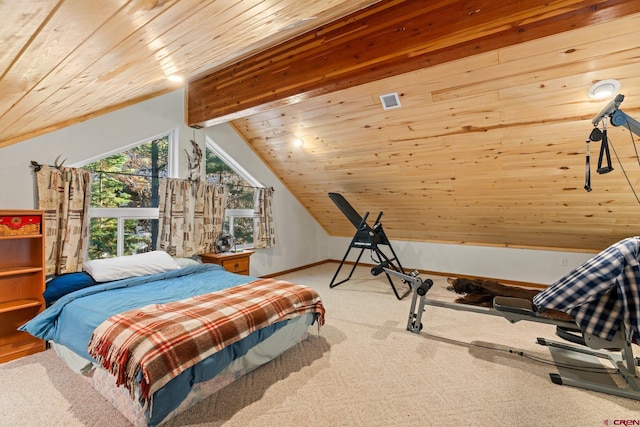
37,167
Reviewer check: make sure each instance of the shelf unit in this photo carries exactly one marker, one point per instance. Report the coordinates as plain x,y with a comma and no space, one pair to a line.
22,282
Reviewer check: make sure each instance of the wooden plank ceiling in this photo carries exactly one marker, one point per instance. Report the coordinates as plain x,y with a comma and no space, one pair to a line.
487,148
64,61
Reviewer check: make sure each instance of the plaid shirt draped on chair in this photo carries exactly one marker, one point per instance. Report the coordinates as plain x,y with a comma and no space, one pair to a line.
602,293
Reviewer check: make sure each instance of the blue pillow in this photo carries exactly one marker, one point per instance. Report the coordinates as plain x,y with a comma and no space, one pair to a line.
66,283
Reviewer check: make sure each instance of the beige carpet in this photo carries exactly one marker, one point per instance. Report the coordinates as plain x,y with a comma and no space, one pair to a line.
364,369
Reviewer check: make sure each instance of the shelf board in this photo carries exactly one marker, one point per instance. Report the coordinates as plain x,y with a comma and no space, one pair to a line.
18,304
19,236
13,271
21,348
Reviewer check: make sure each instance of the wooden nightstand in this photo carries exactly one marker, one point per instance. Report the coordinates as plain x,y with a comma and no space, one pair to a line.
234,262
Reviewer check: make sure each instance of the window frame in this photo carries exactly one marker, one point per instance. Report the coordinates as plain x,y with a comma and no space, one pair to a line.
125,213
232,163
231,214
121,215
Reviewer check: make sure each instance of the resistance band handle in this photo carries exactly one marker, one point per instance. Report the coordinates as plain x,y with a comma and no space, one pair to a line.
587,171
604,149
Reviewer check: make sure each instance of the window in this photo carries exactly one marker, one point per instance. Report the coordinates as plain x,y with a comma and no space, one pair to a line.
240,220
124,198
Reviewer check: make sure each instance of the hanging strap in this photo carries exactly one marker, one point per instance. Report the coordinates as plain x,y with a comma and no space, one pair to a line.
587,171
604,150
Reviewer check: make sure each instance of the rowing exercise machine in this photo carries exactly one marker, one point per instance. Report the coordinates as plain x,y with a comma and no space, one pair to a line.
618,351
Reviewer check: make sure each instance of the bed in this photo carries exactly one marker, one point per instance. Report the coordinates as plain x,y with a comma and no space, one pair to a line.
195,328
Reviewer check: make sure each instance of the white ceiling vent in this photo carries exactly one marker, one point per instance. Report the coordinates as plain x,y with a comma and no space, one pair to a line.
390,100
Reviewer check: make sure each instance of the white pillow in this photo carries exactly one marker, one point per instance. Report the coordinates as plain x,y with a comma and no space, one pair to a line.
185,262
109,269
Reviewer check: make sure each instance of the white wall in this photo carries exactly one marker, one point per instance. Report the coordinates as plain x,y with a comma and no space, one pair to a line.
85,141
300,240
522,265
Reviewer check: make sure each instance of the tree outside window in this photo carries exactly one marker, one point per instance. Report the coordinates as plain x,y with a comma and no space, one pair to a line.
124,200
124,205
239,216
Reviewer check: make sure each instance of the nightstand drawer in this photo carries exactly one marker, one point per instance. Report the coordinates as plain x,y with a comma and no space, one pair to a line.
238,265
234,262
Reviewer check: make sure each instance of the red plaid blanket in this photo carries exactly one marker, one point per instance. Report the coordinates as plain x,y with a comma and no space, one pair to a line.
162,340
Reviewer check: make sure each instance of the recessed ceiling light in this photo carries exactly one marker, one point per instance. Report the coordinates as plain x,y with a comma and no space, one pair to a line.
175,78
298,142
603,89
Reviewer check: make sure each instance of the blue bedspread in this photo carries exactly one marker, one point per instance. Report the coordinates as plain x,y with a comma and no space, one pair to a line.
71,320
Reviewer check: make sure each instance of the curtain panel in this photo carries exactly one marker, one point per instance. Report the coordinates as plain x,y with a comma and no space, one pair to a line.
266,233
191,216
65,196
209,206
175,228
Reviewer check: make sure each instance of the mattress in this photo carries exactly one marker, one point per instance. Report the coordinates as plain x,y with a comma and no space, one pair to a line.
284,338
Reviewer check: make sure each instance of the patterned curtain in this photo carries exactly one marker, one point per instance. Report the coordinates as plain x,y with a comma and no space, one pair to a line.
176,233
209,205
266,236
65,196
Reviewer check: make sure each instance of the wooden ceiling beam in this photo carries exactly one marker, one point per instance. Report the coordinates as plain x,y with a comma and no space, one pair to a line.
389,38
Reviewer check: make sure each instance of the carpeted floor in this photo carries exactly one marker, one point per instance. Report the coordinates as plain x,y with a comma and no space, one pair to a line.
363,369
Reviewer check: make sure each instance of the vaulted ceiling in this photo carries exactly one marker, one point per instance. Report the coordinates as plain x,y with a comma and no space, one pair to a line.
488,146
63,61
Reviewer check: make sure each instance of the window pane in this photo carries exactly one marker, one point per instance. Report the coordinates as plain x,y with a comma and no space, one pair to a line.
103,238
243,231
240,192
240,198
139,235
130,178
